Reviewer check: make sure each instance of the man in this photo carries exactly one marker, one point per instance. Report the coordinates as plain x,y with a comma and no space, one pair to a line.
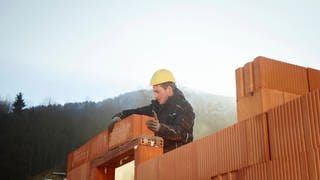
174,116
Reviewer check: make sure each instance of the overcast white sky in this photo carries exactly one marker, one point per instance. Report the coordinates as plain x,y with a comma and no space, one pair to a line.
72,51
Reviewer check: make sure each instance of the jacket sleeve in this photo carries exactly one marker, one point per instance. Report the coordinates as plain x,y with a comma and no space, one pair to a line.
145,110
181,129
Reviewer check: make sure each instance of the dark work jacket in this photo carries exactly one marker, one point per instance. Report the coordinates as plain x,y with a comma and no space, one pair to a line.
176,117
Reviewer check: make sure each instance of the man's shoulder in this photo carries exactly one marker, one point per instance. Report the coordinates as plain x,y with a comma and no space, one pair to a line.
183,105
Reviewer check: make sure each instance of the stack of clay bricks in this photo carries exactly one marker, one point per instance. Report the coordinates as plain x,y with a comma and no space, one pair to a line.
276,136
288,96
80,162
264,83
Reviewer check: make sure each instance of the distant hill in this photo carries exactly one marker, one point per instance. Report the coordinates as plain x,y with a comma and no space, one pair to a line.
39,138
213,112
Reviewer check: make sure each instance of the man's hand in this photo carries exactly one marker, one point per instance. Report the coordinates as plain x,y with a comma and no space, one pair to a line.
153,125
118,115
115,119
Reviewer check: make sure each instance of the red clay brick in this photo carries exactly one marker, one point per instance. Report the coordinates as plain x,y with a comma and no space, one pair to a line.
294,167
180,163
127,129
143,153
290,96
232,175
207,156
240,82
273,74
231,148
80,173
69,163
261,101
256,172
286,129
243,153
102,173
148,170
99,145
313,157
226,176
79,156
257,139
219,177
311,111
248,79
313,79
87,152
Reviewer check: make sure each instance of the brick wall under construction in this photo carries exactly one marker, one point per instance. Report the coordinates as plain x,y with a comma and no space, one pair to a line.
276,136
99,157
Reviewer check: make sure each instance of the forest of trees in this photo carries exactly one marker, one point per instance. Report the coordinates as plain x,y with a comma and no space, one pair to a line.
37,139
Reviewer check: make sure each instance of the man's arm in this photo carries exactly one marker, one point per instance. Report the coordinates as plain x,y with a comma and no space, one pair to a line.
180,129
145,110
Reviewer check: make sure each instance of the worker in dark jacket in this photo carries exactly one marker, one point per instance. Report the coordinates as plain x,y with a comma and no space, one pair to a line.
173,114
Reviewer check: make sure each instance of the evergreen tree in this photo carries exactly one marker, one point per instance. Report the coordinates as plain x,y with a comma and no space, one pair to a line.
5,106
18,104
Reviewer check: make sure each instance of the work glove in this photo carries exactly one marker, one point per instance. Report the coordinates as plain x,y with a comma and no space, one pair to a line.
115,118
125,113
153,125
121,115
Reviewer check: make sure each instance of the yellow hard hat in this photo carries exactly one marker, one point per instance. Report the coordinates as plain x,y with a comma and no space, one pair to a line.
161,76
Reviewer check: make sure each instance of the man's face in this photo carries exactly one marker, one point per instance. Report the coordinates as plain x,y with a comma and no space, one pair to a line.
161,94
